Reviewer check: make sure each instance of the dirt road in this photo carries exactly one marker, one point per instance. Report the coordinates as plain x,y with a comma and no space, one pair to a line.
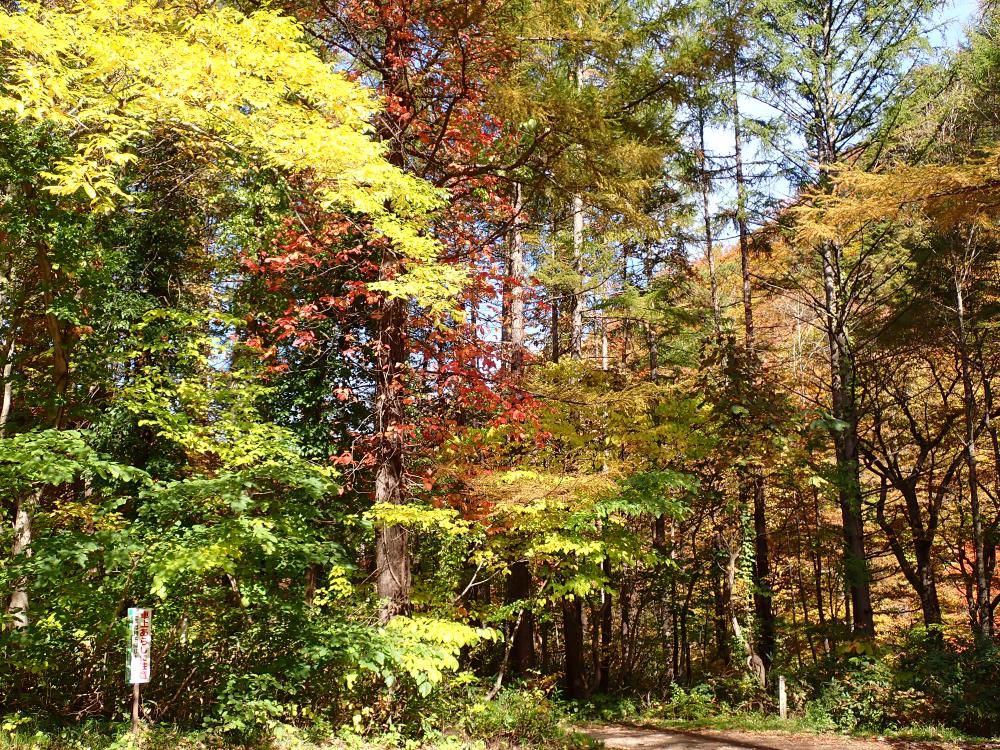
636,738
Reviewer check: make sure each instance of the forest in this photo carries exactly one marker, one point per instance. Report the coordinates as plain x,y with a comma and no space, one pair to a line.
451,373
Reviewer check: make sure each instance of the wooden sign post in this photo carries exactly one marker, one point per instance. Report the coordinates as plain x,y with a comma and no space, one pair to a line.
140,661
782,698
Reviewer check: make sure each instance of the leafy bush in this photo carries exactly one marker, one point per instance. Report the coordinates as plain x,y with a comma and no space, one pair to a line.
866,695
612,708
925,681
959,680
978,710
242,642
526,717
740,692
697,702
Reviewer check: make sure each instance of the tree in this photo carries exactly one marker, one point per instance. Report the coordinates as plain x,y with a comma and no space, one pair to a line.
833,71
63,68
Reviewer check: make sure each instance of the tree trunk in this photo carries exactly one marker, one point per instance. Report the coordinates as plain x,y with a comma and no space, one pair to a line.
554,315
513,334
762,595
579,297
845,438
513,323
648,264
983,624
60,344
392,551
392,554
576,325
706,213
575,682
26,503
920,573
675,651
18,606
519,589
722,595
8,386
607,623
930,604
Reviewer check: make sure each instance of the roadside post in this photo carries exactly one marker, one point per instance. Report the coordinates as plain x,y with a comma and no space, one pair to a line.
782,698
139,656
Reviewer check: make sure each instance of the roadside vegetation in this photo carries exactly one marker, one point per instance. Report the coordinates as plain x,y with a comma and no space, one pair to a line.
451,373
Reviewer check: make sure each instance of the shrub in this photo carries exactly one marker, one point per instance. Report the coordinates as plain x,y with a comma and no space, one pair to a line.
741,692
959,680
926,681
697,702
859,697
526,717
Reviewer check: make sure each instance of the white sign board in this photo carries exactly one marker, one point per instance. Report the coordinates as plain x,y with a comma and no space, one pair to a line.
140,661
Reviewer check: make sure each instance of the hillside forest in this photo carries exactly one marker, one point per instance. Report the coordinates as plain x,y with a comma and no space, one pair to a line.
438,365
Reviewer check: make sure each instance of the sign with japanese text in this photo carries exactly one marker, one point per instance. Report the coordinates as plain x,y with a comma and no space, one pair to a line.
140,644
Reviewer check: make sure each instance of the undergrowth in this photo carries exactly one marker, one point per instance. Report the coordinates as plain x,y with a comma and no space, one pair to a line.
515,718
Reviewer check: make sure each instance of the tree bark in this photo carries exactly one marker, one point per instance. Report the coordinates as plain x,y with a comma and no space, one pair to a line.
983,618
392,554
516,279
762,593
19,600
576,329
648,263
554,316
753,478
60,344
845,438
722,595
513,336
706,213
575,682
8,389
579,298
607,623
392,550
519,589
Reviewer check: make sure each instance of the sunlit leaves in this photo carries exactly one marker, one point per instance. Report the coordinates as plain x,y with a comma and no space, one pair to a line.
239,88
55,457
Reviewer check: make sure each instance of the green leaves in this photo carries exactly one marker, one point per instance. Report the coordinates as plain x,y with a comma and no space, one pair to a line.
243,90
57,457
652,493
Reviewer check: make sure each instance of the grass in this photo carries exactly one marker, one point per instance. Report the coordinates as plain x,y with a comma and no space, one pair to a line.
935,734
21,734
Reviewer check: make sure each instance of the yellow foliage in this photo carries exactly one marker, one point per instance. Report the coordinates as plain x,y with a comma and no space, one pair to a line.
111,73
522,493
942,195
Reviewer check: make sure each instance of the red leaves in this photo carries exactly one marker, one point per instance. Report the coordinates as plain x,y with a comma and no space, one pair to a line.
436,70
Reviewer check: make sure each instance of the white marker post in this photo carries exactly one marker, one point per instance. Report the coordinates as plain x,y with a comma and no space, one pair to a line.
782,698
140,662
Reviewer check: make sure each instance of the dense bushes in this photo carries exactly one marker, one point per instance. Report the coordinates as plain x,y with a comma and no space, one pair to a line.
455,716
520,716
960,682
924,680
244,637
